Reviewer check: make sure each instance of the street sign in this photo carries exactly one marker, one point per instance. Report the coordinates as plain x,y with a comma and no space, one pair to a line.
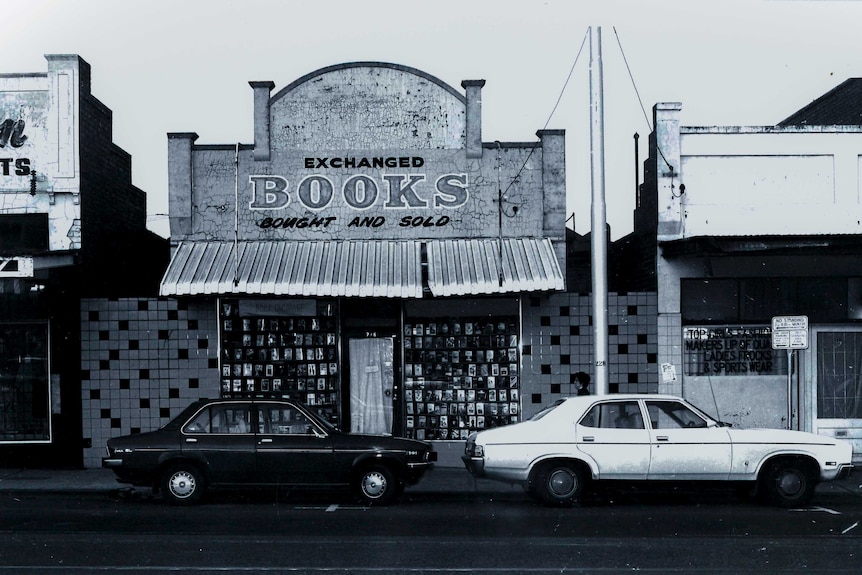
790,332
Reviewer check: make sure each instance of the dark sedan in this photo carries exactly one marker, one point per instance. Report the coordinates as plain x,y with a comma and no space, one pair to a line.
261,442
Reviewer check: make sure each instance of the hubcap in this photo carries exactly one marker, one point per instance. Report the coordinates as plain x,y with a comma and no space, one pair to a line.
182,484
374,485
790,483
562,483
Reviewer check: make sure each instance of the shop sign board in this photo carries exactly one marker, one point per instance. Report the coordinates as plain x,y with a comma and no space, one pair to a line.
790,332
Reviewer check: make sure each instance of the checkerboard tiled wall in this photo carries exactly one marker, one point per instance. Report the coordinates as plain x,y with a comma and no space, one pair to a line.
558,342
143,360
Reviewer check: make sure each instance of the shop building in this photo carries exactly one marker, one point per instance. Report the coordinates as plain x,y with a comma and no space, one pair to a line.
72,225
752,226
368,255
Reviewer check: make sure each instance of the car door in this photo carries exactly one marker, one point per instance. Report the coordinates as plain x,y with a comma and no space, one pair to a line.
222,436
612,432
684,445
292,449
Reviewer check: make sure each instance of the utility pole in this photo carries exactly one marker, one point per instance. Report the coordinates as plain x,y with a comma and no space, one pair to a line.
598,235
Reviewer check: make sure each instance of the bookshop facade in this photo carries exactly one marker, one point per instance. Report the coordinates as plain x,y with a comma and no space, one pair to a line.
369,255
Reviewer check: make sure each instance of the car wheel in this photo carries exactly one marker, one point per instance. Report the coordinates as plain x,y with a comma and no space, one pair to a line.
376,485
788,484
183,484
560,483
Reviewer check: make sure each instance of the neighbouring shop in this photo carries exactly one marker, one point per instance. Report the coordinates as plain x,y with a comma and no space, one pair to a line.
72,225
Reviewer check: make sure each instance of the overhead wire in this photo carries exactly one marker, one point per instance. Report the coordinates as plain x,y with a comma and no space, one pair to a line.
553,110
637,93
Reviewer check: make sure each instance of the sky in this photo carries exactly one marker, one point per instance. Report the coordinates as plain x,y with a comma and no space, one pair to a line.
168,66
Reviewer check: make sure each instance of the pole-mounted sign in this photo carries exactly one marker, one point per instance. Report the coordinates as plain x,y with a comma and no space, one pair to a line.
790,332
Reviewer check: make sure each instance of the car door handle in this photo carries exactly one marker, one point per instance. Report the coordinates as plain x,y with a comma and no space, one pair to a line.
266,440
191,440
589,438
661,438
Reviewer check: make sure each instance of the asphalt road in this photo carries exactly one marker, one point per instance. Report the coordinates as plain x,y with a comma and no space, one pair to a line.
268,533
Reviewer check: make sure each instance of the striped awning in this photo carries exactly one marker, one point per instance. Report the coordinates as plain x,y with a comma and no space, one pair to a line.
462,267
297,268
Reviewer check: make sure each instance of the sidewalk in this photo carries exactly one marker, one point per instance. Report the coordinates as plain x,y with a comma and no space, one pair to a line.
438,480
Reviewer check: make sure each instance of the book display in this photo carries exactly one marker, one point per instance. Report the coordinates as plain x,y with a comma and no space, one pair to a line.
461,375
293,356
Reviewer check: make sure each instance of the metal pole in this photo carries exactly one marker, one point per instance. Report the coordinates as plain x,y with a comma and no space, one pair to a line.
598,235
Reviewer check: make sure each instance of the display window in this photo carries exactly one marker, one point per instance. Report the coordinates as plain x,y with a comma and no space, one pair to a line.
281,348
461,375
25,392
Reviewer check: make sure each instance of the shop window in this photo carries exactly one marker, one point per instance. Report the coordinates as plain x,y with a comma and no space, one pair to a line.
281,348
24,383
461,375
758,300
731,351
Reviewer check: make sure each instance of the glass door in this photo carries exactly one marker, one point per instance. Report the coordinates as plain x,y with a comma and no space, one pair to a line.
372,381
839,385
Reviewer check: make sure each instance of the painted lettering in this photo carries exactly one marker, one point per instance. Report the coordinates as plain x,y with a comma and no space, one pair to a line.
366,222
12,132
299,223
452,190
268,193
360,192
22,166
422,221
364,162
315,192
403,195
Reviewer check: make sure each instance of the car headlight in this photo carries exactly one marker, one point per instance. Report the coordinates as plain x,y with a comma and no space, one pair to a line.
473,450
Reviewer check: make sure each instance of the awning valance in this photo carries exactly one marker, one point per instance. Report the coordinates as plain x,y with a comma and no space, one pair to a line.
463,267
378,268
307,268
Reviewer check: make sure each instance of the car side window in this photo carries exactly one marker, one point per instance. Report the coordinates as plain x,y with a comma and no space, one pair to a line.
614,415
287,420
229,419
673,415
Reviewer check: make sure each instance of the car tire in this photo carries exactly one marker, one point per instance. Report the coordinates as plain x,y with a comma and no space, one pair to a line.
376,485
183,484
559,483
788,484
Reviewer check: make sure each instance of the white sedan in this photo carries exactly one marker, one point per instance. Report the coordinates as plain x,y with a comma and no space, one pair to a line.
558,452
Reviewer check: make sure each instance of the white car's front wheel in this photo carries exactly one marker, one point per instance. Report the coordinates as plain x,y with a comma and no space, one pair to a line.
788,483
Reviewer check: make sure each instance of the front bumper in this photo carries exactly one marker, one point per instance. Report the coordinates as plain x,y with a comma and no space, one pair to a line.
475,465
844,471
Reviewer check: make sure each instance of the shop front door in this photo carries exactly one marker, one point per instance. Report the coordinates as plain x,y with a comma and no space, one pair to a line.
838,387
372,380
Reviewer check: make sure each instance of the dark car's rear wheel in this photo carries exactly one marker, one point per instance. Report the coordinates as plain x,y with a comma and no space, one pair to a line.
376,485
559,483
183,484
788,483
